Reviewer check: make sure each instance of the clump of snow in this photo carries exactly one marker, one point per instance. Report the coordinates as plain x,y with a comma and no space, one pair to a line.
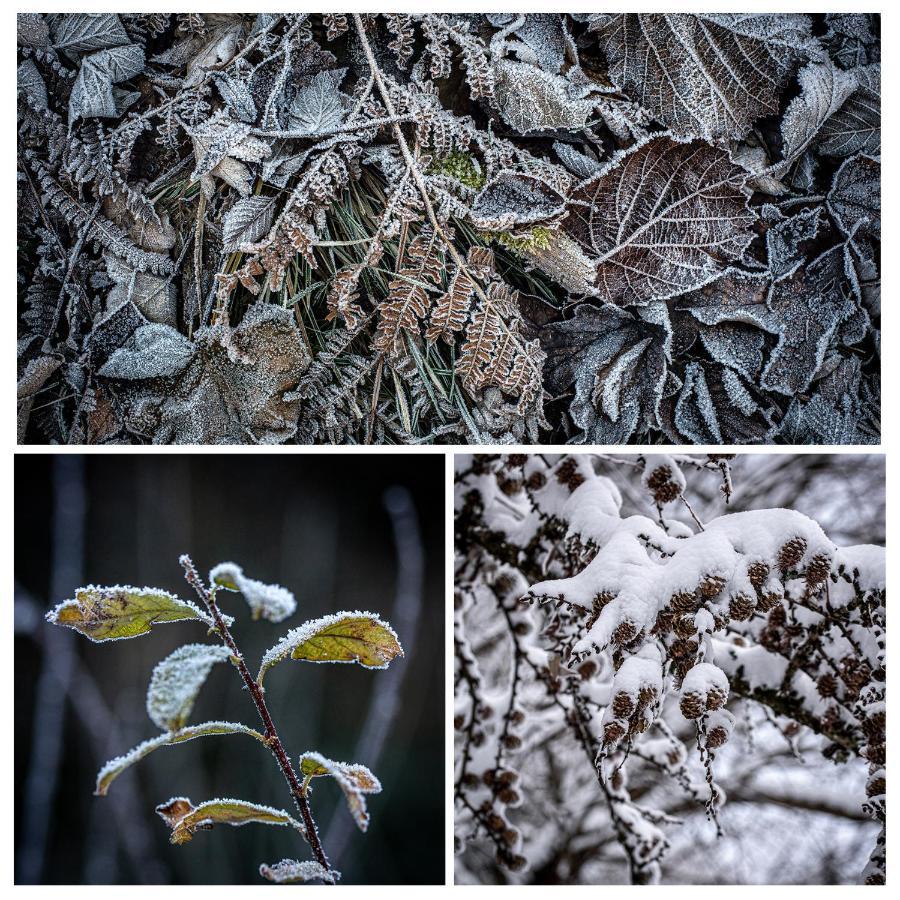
266,601
704,679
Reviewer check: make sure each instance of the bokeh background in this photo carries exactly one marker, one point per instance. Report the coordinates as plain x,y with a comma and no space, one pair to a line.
342,532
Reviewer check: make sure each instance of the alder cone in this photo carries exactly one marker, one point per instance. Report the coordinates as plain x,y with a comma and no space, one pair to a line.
715,699
612,732
684,601
622,705
827,685
791,553
818,570
661,485
875,787
567,473
711,586
741,608
684,626
758,572
692,705
716,737
767,601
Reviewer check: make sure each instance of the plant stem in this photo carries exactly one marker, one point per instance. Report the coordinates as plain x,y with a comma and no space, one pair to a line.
256,692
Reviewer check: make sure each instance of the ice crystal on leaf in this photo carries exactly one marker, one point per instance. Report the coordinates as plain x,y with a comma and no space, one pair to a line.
354,780
290,871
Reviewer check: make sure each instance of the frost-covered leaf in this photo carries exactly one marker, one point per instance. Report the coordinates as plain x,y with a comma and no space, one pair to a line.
32,30
290,871
177,680
93,94
247,221
153,351
30,81
854,200
343,637
716,406
185,819
236,387
786,240
617,363
237,97
115,767
538,38
512,199
219,143
154,296
355,781
318,107
78,32
823,90
707,75
108,614
531,99
266,601
856,126
661,219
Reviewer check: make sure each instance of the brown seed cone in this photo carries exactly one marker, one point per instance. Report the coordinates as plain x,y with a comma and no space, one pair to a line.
827,685
601,600
791,553
510,836
715,699
567,473
661,485
495,822
515,863
626,631
664,619
711,586
647,696
613,732
692,705
684,648
508,796
758,572
684,626
622,705
536,480
587,669
509,486
516,460
741,607
765,602
818,570
778,616
875,787
716,737
684,601
831,718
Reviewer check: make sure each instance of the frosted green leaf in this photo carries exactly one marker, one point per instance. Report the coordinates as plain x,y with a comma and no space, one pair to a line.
290,871
266,601
354,780
113,613
184,818
177,680
344,637
115,767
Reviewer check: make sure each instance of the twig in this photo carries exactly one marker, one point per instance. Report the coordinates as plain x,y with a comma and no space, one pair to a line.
256,692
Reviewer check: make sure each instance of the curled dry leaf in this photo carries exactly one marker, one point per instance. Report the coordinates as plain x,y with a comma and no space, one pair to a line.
185,819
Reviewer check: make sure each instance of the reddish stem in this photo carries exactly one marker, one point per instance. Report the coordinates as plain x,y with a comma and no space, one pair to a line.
256,692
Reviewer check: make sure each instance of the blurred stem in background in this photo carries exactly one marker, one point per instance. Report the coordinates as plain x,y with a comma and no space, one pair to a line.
404,616
58,660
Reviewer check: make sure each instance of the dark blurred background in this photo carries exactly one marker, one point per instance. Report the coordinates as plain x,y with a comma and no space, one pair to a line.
341,532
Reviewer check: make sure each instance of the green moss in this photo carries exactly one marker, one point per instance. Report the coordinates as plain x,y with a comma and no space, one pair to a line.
462,167
538,238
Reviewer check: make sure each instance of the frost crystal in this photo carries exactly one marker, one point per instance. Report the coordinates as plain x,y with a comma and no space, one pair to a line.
290,871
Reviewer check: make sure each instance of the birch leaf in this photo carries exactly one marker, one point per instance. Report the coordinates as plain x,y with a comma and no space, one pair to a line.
115,767
856,126
662,219
343,637
318,108
110,614
354,780
185,819
177,680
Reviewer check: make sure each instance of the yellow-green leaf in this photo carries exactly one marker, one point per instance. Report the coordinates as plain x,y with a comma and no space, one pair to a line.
110,614
185,819
354,780
115,767
344,637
